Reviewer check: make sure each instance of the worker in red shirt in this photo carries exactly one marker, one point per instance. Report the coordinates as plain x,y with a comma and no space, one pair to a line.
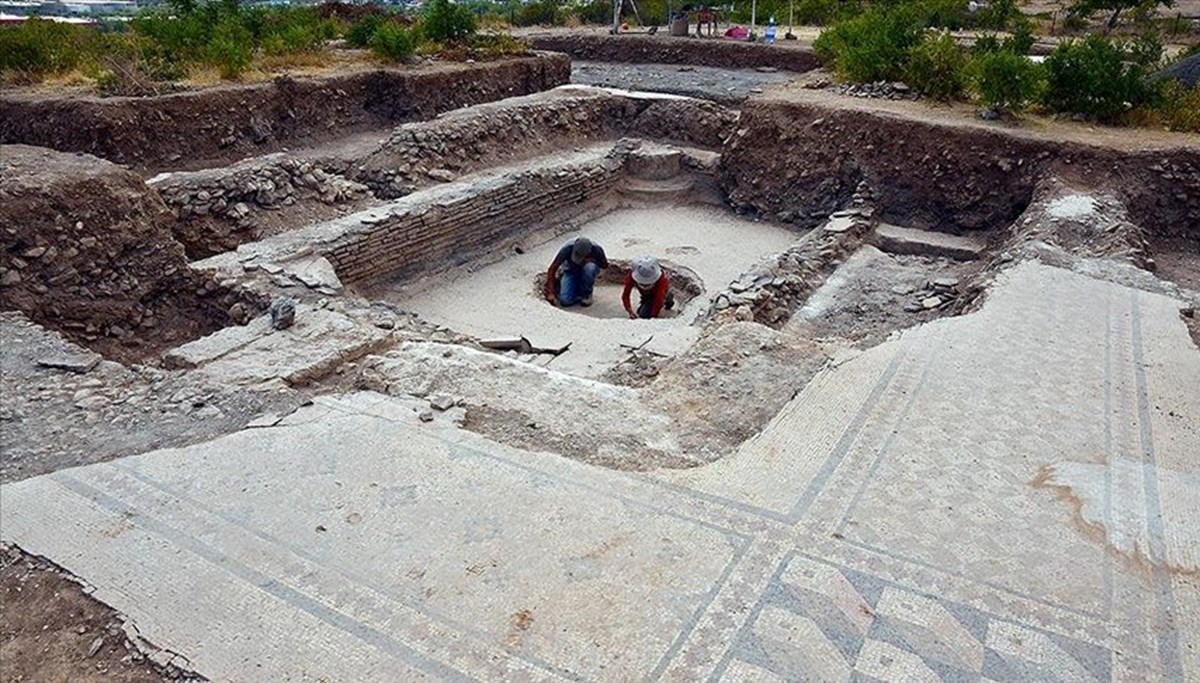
652,285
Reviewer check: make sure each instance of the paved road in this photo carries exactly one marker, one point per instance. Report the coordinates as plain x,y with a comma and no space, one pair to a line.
1009,495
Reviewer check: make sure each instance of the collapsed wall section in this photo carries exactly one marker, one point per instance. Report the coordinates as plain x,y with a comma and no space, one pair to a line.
643,49
798,162
186,130
86,249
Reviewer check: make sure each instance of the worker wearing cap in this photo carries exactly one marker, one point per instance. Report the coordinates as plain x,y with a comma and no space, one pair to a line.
652,284
572,275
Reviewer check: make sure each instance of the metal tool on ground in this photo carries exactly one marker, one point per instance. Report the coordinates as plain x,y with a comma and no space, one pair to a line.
521,345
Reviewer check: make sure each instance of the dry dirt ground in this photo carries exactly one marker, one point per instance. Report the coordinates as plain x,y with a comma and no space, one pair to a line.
51,630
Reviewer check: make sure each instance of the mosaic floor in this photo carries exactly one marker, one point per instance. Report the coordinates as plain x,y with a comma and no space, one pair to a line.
1009,495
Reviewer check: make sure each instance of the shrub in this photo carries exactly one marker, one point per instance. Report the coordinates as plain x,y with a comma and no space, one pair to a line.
539,13
823,12
997,15
595,12
872,46
36,48
1019,43
393,43
1006,81
936,67
445,21
1146,50
496,46
985,43
363,30
1180,107
291,30
231,47
951,14
1022,39
1091,77
173,41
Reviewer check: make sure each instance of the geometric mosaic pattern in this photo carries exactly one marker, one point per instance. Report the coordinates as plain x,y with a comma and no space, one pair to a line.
820,622
888,527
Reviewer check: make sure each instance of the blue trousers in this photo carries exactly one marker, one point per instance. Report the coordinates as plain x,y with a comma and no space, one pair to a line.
576,285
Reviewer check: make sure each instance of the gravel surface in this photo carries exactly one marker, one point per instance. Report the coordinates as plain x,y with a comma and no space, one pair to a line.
727,86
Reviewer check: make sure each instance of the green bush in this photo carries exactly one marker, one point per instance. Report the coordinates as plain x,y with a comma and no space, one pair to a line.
491,46
1022,39
539,13
823,12
1006,81
175,40
231,47
445,21
1019,43
997,16
595,12
290,30
937,67
951,14
1180,107
363,30
1146,50
393,43
872,46
1092,78
37,48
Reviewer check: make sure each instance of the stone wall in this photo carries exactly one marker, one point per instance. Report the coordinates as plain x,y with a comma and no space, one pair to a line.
470,139
638,49
216,209
466,222
195,129
219,209
799,162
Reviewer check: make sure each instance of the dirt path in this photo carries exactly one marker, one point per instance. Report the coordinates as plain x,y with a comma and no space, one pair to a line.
1029,126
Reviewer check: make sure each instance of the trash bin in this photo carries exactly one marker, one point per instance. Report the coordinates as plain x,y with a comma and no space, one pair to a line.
679,26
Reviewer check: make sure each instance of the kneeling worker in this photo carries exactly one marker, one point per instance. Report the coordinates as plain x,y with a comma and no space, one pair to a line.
572,275
653,286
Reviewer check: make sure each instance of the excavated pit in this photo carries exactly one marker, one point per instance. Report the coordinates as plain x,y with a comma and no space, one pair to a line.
685,285
814,249
451,219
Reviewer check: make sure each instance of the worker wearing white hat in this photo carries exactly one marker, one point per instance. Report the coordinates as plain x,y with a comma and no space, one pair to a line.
653,285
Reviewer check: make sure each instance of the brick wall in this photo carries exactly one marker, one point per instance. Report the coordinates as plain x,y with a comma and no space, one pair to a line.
459,227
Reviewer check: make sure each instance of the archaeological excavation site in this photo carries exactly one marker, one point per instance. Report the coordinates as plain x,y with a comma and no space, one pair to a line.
292,392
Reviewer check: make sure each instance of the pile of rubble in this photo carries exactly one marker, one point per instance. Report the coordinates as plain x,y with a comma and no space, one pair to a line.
936,293
1087,224
770,292
879,90
262,183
